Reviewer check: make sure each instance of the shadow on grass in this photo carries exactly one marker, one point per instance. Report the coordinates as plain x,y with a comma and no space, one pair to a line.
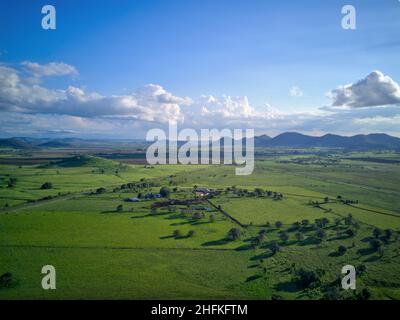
335,254
309,241
252,278
365,251
216,242
167,237
244,247
262,256
372,259
288,286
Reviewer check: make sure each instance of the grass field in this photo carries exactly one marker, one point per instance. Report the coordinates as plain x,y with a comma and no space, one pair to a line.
103,253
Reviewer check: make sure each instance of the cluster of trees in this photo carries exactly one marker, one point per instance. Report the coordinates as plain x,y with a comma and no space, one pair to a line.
346,201
380,238
258,192
137,186
308,278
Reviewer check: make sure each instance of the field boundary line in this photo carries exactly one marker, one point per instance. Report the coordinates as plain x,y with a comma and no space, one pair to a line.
226,214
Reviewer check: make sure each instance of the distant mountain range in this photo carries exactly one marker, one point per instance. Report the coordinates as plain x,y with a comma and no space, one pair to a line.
359,142
376,141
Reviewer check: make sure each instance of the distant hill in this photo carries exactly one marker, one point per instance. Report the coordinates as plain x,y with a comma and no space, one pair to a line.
15,143
357,142
84,161
54,144
376,141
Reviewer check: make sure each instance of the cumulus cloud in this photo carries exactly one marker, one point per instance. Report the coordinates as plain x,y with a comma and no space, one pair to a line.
29,108
151,103
295,92
49,69
376,89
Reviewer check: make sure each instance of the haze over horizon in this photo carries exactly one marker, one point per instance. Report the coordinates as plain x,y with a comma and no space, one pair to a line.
118,71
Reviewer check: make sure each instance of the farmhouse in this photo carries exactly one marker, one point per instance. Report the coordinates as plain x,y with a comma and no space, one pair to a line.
202,192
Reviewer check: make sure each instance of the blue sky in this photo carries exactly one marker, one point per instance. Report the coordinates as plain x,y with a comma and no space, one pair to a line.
190,48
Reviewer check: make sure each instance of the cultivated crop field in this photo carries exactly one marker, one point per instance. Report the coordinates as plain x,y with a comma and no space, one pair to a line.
285,232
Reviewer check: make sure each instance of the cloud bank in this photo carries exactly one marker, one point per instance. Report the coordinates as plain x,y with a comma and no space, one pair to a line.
29,108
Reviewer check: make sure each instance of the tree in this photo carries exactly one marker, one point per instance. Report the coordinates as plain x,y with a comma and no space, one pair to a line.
320,234
234,234
177,234
365,294
305,223
308,279
342,249
258,240
377,232
120,208
213,218
361,268
299,236
388,233
12,182
284,237
101,190
351,232
274,247
165,192
46,186
198,216
191,233
348,221
6,280
375,244
278,224
338,222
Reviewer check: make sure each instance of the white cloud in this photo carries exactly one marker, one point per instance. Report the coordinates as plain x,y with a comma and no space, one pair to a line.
31,108
295,92
151,103
49,69
374,90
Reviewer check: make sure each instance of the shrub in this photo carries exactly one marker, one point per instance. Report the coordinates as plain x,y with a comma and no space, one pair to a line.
46,186
6,280
12,182
274,247
364,295
164,192
375,244
198,216
388,233
342,249
320,234
305,223
101,190
177,234
191,233
299,236
278,224
307,278
361,268
284,236
377,232
213,218
120,208
234,234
